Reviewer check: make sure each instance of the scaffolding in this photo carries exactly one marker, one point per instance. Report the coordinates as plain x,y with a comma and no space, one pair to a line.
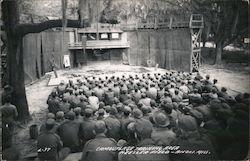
196,26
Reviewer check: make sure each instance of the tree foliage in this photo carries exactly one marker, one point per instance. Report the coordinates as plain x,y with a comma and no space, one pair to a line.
225,21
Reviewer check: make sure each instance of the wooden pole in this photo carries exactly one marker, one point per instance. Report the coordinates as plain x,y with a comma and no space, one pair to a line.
64,25
97,19
171,22
84,45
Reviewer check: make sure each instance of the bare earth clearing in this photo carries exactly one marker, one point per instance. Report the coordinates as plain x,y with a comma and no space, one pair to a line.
235,80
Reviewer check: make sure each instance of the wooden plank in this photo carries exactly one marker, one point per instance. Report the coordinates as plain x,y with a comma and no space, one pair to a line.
38,58
133,50
30,57
101,44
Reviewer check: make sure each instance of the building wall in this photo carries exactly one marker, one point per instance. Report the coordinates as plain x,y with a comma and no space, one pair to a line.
171,49
39,51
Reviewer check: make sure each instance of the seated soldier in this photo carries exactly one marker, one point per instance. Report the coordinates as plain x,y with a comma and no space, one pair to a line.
191,139
49,144
43,125
87,126
69,133
162,134
143,131
90,152
113,124
53,103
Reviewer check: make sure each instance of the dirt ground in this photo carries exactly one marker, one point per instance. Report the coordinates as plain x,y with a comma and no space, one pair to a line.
236,80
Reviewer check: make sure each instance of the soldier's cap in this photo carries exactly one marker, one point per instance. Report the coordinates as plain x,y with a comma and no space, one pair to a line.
161,119
122,143
101,105
77,110
187,123
71,115
59,115
101,111
116,100
100,127
88,111
137,113
107,108
50,116
152,102
119,107
143,95
50,124
53,93
113,110
145,109
83,99
126,109
131,127
143,128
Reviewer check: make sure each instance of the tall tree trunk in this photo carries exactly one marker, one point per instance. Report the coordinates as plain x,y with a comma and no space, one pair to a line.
15,70
16,77
15,33
219,49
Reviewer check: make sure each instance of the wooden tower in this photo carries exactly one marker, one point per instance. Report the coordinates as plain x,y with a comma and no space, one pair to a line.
196,25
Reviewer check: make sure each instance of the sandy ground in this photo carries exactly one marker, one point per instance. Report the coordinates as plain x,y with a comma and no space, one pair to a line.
37,93
236,81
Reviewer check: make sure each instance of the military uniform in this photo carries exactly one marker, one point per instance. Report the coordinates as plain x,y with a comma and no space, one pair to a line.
69,133
152,92
145,101
99,93
91,154
53,105
113,127
137,96
125,120
87,130
49,147
64,106
94,102
109,98
9,114
163,136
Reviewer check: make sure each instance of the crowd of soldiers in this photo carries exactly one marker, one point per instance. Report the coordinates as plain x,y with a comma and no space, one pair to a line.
173,109
146,110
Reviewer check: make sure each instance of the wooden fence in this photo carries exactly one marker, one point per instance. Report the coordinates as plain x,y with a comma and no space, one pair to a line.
39,52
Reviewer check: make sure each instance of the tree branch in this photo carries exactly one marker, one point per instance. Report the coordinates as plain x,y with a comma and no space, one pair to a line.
23,29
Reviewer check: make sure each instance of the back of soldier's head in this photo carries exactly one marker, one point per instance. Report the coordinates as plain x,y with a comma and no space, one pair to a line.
143,128
71,115
50,116
50,124
59,115
100,127
7,99
77,111
88,112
